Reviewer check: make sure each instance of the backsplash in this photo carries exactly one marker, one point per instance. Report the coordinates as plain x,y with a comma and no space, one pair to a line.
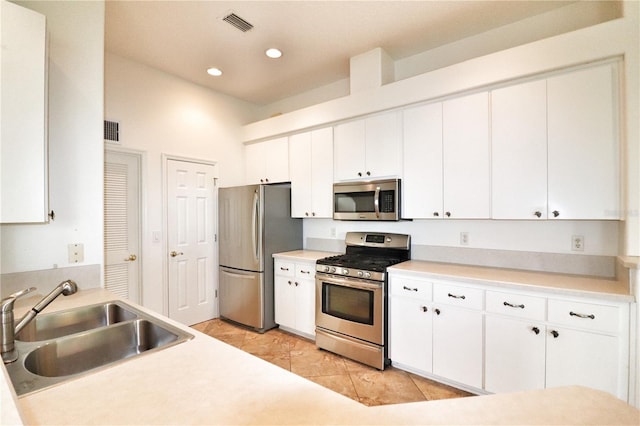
591,265
86,276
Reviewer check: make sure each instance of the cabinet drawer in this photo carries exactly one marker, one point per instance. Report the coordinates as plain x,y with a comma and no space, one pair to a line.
584,315
516,305
284,268
464,297
407,287
305,270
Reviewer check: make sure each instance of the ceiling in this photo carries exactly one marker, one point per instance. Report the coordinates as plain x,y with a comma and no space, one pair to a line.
317,38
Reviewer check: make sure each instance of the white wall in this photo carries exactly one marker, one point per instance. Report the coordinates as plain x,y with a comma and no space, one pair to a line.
76,43
162,114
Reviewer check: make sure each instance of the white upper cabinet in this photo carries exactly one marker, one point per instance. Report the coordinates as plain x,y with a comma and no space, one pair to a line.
23,146
519,151
466,162
422,151
267,162
368,148
311,172
583,144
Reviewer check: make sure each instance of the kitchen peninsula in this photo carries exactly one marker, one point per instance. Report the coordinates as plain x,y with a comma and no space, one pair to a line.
205,381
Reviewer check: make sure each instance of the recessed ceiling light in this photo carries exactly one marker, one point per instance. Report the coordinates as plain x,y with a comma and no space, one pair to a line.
273,53
214,72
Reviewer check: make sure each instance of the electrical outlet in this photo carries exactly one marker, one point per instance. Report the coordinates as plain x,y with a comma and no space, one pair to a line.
577,243
464,238
76,253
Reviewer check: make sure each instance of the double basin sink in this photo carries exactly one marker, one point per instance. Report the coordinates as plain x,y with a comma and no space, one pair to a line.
62,345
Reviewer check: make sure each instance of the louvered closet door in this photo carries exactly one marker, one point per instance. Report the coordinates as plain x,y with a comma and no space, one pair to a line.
121,224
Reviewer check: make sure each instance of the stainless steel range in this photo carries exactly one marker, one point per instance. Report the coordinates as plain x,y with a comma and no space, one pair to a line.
351,296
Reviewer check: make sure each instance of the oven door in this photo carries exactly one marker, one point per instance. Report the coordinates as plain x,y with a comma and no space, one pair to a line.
350,306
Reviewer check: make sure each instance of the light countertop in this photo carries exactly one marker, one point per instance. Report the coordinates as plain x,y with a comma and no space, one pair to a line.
206,381
572,285
306,255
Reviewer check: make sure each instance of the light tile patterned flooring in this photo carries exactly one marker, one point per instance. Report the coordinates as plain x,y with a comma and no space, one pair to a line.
352,379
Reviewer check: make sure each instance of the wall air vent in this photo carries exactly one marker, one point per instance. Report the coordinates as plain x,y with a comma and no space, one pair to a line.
237,22
111,131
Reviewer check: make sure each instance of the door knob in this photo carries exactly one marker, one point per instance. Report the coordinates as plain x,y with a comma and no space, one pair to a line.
131,258
176,253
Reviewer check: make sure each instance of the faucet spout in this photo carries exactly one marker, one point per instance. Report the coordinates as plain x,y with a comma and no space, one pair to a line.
65,288
8,350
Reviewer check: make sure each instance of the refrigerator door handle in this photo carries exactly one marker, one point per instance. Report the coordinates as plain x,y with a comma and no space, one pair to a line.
255,230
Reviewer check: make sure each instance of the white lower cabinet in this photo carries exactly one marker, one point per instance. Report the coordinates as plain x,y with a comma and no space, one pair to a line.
294,296
410,339
489,339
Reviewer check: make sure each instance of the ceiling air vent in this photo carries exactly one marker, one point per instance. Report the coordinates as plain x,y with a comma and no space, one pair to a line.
237,22
111,131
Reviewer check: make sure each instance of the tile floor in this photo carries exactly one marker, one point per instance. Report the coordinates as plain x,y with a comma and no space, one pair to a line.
352,379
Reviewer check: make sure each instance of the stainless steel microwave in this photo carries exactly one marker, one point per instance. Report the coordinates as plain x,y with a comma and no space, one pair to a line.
369,200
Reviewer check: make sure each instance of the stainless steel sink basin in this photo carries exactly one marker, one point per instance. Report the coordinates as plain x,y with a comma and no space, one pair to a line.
58,324
98,336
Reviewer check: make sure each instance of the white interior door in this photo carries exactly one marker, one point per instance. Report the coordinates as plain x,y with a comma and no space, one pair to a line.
122,224
191,250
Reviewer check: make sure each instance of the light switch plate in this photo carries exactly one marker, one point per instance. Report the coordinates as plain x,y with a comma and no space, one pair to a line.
76,253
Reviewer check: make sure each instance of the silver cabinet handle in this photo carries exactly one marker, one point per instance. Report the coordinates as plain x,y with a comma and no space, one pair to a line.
404,287
455,296
176,253
575,314
520,306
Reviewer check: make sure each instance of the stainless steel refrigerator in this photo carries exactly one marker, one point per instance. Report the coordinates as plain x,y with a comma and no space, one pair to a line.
254,223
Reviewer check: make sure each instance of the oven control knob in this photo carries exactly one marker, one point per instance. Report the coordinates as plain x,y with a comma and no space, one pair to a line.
326,269
333,269
345,271
367,274
360,274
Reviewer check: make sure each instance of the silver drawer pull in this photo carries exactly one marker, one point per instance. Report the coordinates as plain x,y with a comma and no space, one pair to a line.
520,306
574,314
404,287
282,268
456,296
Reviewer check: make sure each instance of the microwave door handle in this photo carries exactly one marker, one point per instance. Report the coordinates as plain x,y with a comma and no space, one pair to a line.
376,202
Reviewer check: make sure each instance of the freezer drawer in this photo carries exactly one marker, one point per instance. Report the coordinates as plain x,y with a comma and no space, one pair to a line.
242,297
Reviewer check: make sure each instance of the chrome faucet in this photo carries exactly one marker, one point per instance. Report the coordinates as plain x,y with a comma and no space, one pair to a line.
9,352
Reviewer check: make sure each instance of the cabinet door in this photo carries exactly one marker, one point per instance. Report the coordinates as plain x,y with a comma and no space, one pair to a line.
422,152
284,301
582,358
457,345
410,333
322,173
277,160
383,151
349,151
305,306
514,355
519,151
254,156
23,150
300,165
584,170
466,157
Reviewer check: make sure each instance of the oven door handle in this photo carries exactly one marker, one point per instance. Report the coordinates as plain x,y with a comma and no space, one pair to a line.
347,282
376,202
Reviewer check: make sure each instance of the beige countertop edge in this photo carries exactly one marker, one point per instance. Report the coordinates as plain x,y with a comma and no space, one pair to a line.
304,255
206,381
570,285
631,262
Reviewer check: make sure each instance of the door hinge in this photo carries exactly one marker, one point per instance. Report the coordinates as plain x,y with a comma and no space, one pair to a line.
215,238
216,296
